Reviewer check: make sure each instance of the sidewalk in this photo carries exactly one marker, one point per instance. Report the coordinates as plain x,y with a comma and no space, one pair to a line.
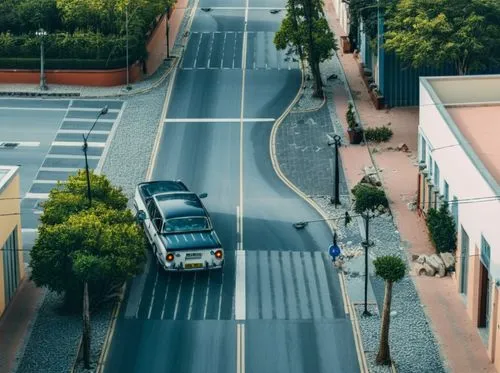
459,341
16,322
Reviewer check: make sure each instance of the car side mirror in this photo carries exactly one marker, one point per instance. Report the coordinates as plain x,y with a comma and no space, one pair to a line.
203,195
141,216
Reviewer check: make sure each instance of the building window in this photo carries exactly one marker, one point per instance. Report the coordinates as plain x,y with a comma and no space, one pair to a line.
11,265
423,149
485,252
436,176
431,162
446,192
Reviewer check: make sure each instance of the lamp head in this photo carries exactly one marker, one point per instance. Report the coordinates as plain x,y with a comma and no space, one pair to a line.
104,110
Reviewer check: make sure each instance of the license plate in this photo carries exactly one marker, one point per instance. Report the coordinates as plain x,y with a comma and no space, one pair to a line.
193,255
193,265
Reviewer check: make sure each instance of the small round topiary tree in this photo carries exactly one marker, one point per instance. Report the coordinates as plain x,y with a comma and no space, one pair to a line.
368,197
391,269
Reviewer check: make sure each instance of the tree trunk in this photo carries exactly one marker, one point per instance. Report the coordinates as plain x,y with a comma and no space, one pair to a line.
384,354
313,59
86,327
318,82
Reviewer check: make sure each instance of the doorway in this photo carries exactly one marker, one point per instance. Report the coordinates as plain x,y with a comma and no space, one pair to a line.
464,265
484,303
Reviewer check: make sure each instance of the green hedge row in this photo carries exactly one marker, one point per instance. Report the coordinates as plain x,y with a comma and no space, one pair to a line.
79,45
63,64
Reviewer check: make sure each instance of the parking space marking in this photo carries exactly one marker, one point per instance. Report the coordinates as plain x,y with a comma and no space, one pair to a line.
78,143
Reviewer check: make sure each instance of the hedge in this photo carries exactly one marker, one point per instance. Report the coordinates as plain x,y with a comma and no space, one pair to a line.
80,45
63,64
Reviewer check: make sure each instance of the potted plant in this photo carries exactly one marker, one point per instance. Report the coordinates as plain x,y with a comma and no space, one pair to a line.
354,130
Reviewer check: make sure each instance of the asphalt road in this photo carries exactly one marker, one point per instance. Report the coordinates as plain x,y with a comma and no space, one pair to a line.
47,138
278,307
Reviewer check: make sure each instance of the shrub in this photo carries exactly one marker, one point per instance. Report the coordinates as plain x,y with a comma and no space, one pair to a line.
349,116
378,134
442,230
368,197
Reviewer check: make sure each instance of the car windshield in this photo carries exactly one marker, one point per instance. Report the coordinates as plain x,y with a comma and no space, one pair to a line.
188,224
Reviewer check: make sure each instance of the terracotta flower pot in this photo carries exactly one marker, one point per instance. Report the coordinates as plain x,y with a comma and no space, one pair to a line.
355,135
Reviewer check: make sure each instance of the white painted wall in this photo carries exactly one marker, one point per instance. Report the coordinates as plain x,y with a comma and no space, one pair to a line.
464,181
342,10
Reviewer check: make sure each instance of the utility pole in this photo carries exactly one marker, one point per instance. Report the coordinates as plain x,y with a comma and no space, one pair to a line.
86,312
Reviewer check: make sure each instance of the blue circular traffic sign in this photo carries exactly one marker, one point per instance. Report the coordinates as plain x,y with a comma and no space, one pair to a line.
334,251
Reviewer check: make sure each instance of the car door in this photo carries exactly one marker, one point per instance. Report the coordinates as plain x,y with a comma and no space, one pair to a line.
148,222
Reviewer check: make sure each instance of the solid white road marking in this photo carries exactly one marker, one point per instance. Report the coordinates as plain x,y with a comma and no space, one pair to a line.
165,298
242,7
220,299
217,120
240,287
206,298
31,108
153,295
79,144
67,156
192,298
37,195
47,181
58,169
237,219
90,120
29,230
84,131
177,299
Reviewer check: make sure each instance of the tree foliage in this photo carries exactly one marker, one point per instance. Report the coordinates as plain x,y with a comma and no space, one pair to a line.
102,244
442,229
305,31
70,197
368,197
366,9
431,33
390,268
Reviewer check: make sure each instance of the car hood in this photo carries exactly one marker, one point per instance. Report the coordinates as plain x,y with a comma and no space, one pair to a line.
194,240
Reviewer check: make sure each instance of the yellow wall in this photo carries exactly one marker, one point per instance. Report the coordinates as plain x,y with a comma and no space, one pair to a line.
7,224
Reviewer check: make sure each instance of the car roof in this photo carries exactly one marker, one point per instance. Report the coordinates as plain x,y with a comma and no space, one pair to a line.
179,204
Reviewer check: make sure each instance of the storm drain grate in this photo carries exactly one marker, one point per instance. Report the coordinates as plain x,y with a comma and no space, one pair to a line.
9,145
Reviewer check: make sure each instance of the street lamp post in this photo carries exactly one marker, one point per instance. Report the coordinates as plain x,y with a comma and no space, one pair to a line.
41,33
167,9
103,111
86,313
366,244
336,182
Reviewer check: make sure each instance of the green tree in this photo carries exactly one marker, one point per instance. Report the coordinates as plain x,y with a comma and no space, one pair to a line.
70,197
305,31
102,246
391,269
431,33
368,197
442,229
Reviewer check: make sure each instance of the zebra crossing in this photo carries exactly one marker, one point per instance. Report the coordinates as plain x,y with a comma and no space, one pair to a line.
223,50
280,285
65,156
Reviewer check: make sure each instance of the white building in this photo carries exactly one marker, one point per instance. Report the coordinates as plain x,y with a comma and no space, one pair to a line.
459,150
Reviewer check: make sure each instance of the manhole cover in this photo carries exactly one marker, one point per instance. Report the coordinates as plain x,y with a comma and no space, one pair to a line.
9,145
